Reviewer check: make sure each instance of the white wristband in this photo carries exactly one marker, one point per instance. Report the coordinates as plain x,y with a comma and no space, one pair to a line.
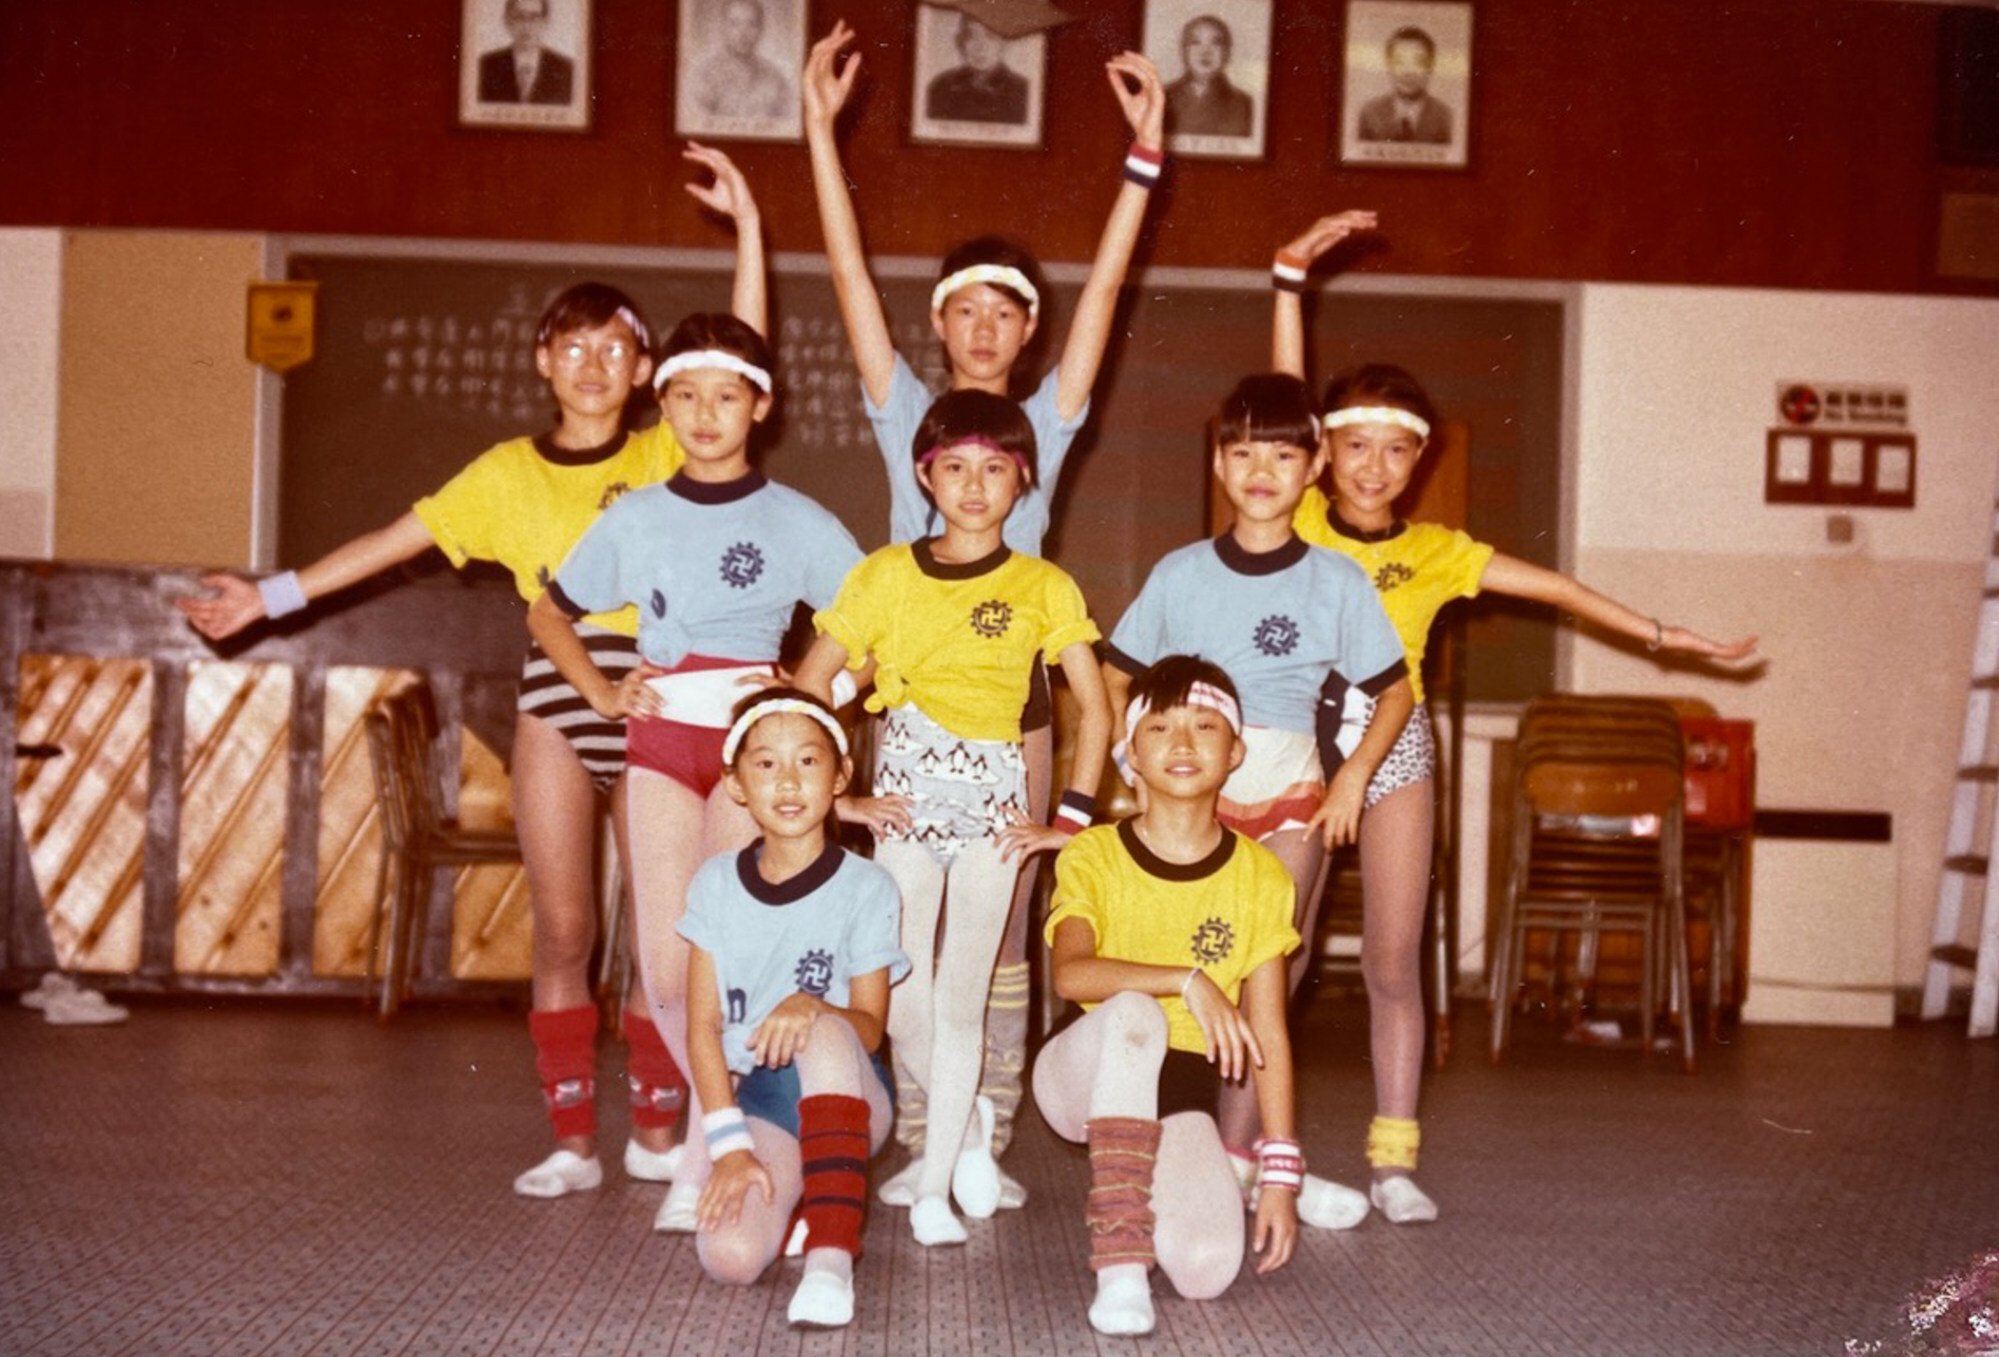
1192,971
282,594
844,688
726,1130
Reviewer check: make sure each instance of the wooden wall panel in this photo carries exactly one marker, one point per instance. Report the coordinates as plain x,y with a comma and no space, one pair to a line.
1766,142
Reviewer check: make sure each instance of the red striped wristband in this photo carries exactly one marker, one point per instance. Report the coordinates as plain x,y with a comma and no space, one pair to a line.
1143,166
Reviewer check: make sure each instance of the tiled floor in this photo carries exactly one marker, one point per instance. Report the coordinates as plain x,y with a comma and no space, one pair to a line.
237,1178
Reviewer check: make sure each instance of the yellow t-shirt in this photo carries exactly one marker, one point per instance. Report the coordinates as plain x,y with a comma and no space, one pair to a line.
525,502
1227,914
959,641
1417,569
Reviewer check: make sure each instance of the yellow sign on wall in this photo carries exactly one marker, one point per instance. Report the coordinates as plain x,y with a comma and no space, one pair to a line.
280,324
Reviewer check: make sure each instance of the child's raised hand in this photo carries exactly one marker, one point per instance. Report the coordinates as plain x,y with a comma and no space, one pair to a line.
234,605
730,1182
1276,1232
1327,232
1693,643
729,194
1232,1045
1135,81
781,1036
878,814
829,79
1338,817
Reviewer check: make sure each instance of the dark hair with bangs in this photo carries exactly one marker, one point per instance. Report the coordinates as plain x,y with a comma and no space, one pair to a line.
719,330
998,250
959,415
1380,384
1267,407
586,306
1167,683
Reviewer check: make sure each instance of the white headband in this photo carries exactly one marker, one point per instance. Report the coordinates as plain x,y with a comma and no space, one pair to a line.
999,275
781,706
1199,695
1379,414
711,358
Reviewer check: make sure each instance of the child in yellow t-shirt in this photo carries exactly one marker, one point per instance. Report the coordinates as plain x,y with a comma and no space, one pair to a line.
953,625
1171,930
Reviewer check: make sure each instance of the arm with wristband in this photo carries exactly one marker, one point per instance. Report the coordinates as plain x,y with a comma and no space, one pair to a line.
1288,279
1077,808
737,1171
1142,97
237,602
1280,1163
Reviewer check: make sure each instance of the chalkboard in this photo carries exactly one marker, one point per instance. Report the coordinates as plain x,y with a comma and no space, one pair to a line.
425,359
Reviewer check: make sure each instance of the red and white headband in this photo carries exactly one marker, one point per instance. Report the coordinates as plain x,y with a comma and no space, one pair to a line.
1199,695
711,358
1379,414
997,275
977,440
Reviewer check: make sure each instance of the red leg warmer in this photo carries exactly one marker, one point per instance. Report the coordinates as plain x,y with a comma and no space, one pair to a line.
833,1150
565,1056
658,1091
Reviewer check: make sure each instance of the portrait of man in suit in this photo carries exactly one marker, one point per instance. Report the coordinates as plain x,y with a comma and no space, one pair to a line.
526,71
982,88
1409,112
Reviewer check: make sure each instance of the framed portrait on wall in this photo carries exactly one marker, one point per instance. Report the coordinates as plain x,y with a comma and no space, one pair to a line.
1406,99
736,69
973,87
524,64
1214,56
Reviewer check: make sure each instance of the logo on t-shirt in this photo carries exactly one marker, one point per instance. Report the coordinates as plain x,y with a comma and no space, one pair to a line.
741,564
658,604
1392,574
610,495
992,617
1212,941
1277,635
815,973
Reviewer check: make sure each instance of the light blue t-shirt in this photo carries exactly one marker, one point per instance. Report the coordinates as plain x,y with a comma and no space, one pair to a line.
839,918
1279,622
714,569
911,517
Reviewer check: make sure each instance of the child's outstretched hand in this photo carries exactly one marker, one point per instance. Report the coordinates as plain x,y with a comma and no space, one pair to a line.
1327,232
1338,817
1693,643
1232,1046
234,605
729,194
1135,81
1276,1232
829,77
877,814
779,1037
734,1176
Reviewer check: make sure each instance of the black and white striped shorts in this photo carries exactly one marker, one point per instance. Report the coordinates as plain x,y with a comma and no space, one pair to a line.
599,742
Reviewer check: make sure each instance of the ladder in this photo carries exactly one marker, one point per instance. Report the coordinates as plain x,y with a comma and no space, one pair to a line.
1971,848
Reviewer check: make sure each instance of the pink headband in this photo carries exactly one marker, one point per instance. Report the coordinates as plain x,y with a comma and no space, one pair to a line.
977,440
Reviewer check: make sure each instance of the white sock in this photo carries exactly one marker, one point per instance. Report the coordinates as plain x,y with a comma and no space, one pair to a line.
652,1166
1401,1200
794,1244
1326,1205
975,1177
1012,1193
677,1212
932,1222
900,1189
561,1173
1123,1306
825,1295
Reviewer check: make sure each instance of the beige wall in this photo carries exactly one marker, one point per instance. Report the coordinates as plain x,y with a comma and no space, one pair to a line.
157,413
1868,644
31,301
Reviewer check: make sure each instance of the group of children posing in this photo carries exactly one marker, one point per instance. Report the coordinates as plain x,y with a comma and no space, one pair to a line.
1264,705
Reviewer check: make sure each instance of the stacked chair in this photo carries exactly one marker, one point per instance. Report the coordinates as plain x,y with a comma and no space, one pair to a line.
1597,848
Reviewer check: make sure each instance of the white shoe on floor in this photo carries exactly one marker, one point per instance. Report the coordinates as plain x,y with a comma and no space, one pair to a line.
678,1213
899,1189
1012,1194
651,1166
823,1300
794,1245
933,1224
560,1174
1402,1201
975,1177
51,984
82,1008
1326,1205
